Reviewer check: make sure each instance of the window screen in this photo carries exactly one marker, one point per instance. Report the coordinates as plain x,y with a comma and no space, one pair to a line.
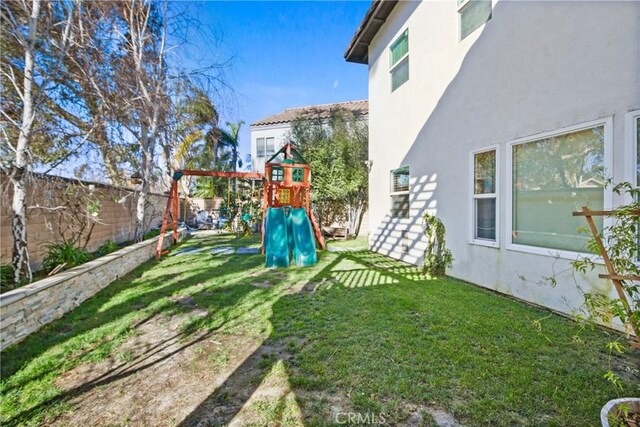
399,61
260,147
473,15
399,48
400,206
553,177
270,146
484,195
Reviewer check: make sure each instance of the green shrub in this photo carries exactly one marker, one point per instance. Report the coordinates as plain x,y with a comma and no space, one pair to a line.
6,278
61,253
151,233
106,248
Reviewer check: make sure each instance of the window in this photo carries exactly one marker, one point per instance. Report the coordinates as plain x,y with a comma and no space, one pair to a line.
270,146
265,147
551,178
400,193
297,174
399,61
277,174
473,15
260,147
400,180
484,197
400,206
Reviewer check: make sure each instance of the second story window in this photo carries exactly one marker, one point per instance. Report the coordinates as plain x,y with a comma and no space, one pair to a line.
265,147
399,60
473,15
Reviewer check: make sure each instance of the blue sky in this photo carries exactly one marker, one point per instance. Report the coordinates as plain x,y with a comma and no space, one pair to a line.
285,54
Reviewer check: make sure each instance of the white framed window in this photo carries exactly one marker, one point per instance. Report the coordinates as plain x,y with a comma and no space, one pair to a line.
265,147
260,147
399,60
550,175
484,196
472,14
270,146
400,203
632,155
632,151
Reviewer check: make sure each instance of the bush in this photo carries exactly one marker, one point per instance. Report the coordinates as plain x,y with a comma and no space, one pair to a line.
106,248
151,233
64,253
6,278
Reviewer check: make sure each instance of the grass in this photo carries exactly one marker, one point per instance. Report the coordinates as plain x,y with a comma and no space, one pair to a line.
357,244
374,332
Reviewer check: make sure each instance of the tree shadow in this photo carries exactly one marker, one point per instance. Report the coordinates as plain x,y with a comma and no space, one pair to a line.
138,297
227,401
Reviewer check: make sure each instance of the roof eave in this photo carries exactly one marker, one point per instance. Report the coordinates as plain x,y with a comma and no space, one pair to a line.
358,50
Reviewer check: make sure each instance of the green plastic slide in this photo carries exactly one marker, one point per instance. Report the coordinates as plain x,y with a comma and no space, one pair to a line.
276,241
304,242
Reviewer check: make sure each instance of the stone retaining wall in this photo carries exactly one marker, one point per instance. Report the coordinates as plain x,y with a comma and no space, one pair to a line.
26,309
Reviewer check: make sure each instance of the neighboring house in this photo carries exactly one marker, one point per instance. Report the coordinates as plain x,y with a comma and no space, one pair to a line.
271,133
499,117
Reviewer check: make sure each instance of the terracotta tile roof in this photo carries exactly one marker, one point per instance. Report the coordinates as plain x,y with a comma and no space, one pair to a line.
322,111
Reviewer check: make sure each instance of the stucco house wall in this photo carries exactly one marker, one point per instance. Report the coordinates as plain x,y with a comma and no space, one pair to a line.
534,67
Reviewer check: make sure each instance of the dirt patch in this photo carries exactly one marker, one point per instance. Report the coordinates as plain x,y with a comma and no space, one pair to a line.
157,378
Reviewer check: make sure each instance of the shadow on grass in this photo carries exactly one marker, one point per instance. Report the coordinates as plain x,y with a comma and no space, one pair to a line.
373,332
419,345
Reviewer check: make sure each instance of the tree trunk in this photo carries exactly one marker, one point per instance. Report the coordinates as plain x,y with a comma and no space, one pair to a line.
147,164
363,210
20,258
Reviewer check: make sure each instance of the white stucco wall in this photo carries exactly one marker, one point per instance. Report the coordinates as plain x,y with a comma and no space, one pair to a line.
278,131
534,67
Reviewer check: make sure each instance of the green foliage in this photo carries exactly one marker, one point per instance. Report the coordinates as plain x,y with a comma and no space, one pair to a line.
64,253
436,255
6,278
337,152
151,234
620,240
621,243
107,247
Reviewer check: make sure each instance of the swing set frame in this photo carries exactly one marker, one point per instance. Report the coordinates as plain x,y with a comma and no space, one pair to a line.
292,188
172,208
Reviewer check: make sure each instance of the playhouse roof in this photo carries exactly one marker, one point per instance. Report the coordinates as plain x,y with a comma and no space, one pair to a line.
322,111
295,154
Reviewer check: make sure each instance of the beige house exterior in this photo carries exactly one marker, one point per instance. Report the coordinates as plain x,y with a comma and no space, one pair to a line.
501,118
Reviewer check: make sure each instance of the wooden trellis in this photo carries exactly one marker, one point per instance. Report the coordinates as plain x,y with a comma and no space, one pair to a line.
612,275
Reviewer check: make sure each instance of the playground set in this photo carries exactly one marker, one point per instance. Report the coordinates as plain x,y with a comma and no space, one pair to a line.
289,228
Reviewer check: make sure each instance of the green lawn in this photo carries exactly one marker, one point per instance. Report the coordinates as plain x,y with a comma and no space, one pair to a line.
358,331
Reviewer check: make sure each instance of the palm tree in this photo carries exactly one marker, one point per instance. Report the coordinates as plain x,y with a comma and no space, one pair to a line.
200,144
231,139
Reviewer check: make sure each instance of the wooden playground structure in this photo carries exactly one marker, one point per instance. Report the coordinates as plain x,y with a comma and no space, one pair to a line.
285,184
